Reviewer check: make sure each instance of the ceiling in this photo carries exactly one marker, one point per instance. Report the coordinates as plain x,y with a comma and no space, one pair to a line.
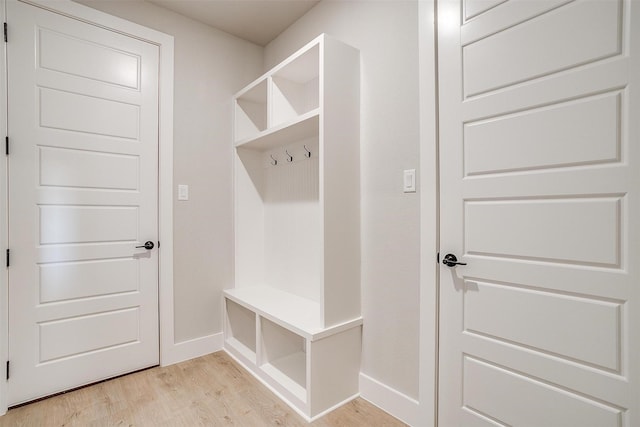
258,21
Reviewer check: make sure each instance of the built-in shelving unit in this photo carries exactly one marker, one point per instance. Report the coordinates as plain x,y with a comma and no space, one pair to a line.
293,316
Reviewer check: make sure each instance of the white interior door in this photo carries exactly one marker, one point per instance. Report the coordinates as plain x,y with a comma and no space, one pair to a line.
540,196
83,185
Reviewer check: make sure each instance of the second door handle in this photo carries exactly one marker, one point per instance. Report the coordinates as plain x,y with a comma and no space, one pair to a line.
148,245
450,260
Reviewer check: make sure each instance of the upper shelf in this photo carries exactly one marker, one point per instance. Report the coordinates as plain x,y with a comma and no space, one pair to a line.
285,96
302,127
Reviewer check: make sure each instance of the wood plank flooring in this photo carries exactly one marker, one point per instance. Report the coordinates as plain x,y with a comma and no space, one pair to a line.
212,390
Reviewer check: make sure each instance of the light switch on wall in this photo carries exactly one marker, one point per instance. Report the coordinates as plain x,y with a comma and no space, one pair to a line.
409,184
183,192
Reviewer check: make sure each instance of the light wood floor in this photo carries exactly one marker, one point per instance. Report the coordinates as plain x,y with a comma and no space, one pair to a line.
208,391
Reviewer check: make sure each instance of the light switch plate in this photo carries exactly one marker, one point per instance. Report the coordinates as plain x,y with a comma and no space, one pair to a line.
409,183
183,192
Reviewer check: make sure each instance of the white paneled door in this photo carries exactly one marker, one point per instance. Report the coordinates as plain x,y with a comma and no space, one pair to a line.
540,197
83,185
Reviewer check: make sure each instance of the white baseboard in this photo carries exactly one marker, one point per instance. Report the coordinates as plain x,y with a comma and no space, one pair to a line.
389,400
196,347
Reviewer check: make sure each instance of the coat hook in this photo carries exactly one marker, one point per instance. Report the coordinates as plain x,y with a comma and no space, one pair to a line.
274,161
289,156
308,153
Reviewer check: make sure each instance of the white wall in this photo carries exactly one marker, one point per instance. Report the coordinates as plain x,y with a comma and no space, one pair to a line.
210,66
386,32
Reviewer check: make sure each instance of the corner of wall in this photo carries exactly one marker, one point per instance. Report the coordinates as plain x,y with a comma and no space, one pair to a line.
190,349
389,400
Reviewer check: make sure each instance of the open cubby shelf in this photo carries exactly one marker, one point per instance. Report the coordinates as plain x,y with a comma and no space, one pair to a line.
297,314
251,111
289,371
241,332
296,129
284,358
293,315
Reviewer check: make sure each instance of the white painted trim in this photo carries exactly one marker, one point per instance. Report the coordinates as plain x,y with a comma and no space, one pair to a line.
169,351
4,228
165,204
429,225
389,400
197,347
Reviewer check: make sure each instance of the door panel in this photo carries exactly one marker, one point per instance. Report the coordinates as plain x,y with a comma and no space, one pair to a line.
80,57
83,334
561,408
576,34
580,132
83,123
574,230
63,167
64,281
590,335
77,224
82,113
540,196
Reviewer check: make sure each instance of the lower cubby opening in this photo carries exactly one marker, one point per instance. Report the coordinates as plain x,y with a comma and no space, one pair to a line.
241,330
284,358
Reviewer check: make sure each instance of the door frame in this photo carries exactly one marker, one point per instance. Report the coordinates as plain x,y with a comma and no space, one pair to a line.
165,43
429,213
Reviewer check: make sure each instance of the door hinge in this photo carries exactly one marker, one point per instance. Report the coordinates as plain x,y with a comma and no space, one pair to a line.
438,258
7,370
158,244
5,33
8,257
6,143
